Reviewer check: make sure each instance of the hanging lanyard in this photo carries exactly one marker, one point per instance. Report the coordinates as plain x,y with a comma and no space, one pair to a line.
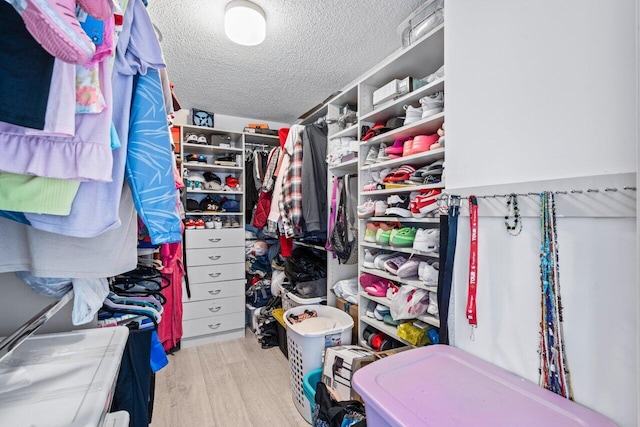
473,262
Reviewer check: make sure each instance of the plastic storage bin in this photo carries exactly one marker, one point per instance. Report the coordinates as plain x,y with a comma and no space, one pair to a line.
305,348
278,314
309,384
291,300
443,386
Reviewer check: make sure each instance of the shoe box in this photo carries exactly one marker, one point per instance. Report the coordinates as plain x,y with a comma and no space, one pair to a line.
339,365
351,310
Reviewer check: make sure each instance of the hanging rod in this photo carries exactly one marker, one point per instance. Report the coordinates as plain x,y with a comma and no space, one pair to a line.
26,330
589,190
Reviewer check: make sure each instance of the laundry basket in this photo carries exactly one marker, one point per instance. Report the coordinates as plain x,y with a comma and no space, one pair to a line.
305,348
290,300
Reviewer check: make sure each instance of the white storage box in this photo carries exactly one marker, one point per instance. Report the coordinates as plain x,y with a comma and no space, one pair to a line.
305,348
339,365
393,89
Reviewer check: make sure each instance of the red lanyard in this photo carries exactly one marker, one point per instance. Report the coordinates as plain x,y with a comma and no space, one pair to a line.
473,262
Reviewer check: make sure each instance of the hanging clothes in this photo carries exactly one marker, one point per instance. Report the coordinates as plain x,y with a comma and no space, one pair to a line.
250,191
290,202
170,330
314,177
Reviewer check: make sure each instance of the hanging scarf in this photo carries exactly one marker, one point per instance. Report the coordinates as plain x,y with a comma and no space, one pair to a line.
554,371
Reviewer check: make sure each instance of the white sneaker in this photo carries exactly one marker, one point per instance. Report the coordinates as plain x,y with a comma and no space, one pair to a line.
217,223
432,104
412,114
380,208
433,304
427,240
366,209
380,259
372,155
427,274
369,257
438,74
382,154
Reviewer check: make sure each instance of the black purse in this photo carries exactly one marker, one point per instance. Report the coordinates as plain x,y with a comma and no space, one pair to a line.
328,412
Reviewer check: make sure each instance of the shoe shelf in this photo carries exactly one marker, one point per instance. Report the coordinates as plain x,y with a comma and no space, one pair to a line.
350,131
416,60
404,189
426,318
390,330
406,281
431,320
397,249
350,166
395,108
427,126
208,149
401,219
414,159
213,192
215,168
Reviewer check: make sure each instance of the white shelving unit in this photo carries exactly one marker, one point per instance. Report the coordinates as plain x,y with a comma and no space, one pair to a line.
418,60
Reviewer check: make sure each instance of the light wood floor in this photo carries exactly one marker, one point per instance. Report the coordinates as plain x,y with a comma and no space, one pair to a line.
233,383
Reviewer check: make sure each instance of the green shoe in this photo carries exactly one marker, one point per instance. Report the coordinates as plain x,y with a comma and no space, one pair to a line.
382,236
403,238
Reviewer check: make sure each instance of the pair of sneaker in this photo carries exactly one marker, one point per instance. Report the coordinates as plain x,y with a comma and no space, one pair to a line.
195,224
377,154
427,273
402,266
423,204
430,105
427,240
53,24
371,208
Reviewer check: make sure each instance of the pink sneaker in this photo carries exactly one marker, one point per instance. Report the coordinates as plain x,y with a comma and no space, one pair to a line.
54,25
99,9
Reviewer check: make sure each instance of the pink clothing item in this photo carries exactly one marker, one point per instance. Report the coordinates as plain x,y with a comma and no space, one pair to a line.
86,156
60,119
89,98
170,329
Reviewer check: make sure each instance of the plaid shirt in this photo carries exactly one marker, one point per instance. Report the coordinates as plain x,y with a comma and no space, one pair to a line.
291,200
269,178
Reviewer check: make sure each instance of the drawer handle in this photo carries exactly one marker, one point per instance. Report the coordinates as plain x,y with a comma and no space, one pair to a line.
215,257
215,309
216,240
214,275
216,292
216,326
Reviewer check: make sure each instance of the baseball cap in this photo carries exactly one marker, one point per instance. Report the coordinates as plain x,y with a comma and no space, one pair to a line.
377,129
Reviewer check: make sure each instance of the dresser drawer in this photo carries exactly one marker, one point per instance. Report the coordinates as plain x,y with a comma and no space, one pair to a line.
211,256
216,273
212,324
196,239
213,307
203,291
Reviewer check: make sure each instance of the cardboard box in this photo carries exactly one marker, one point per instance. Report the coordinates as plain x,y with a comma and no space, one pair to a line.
339,365
352,310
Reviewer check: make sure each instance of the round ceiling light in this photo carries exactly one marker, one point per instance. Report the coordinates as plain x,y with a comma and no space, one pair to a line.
244,23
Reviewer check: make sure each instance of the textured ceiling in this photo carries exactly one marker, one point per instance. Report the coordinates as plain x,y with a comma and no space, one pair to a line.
313,48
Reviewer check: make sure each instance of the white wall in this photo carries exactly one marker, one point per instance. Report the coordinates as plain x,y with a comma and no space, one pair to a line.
230,123
547,91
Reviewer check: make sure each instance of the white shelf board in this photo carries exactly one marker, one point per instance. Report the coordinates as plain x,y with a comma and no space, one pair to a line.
309,245
395,108
422,158
396,249
213,192
413,281
380,300
431,320
350,131
201,167
350,166
321,111
211,213
208,149
418,60
260,138
407,189
426,126
400,219
207,130
347,96
392,331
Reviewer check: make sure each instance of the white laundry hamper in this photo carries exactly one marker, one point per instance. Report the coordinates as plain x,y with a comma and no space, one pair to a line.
305,348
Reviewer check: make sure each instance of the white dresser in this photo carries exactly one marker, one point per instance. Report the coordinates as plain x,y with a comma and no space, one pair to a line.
215,267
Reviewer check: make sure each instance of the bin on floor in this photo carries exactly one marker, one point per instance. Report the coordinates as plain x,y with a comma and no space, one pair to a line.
309,384
307,340
443,386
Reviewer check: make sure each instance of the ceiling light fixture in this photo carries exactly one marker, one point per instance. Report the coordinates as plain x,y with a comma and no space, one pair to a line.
244,23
